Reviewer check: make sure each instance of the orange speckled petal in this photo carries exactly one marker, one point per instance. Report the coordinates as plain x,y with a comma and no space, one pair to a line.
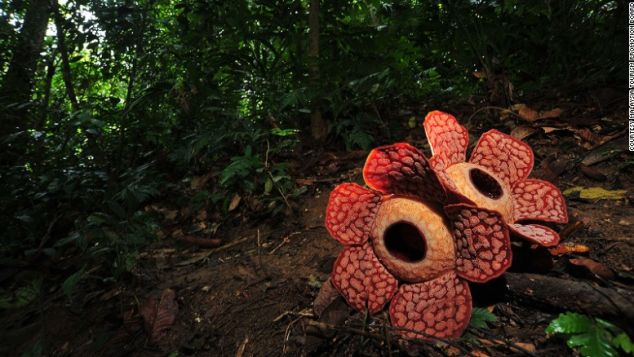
538,200
350,213
510,159
446,137
403,170
438,308
536,233
483,247
362,280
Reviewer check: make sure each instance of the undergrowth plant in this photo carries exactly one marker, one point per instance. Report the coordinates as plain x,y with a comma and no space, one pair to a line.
591,336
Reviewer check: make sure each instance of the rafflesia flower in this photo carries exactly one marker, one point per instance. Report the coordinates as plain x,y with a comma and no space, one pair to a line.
396,232
424,228
496,177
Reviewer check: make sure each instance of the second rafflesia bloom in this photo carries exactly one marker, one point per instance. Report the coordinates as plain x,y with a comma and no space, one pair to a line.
495,177
424,228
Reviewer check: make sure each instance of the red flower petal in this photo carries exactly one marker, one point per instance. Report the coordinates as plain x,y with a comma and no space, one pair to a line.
483,248
509,158
402,169
350,213
535,233
438,308
539,200
362,280
447,138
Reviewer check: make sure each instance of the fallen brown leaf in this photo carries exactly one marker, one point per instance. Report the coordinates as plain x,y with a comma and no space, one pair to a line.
550,114
593,267
304,182
327,294
531,115
242,347
159,314
529,347
198,182
235,201
569,248
522,132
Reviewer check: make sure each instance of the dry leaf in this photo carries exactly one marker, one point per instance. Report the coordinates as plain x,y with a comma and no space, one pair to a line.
479,74
595,193
235,201
327,294
550,129
594,267
522,132
242,347
531,115
198,182
304,182
550,114
202,215
159,315
525,112
527,346
569,248
587,135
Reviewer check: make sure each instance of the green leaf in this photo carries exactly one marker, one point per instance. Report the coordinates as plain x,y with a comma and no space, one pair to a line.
268,186
570,322
22,296
623,341
68,286
480,316
591,337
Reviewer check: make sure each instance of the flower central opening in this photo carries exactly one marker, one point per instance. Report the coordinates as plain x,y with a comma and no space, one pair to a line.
404,241
486,184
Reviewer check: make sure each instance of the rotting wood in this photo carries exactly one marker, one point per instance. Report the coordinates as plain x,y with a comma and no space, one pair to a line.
615,305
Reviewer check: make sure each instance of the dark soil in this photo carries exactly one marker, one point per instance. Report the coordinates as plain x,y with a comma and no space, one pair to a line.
255,297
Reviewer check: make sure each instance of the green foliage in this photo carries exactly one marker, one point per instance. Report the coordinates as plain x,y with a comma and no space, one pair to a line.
21,295
480,317
591,336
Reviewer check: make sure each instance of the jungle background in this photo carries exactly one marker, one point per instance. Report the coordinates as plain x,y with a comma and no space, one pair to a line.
165,165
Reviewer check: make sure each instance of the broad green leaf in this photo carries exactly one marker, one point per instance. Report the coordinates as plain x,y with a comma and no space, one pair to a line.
570,322
268,186
480,316
623,341
68,286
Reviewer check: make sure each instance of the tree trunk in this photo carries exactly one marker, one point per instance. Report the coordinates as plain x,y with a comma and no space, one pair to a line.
50,73
18,81
63,51
318,126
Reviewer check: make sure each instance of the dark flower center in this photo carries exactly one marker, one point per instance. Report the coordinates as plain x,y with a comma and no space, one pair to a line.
486,184
404,241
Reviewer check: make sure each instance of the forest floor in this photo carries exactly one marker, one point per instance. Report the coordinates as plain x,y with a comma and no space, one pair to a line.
253,294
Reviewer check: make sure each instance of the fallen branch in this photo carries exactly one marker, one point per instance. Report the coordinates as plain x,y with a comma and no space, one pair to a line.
616,305
201,242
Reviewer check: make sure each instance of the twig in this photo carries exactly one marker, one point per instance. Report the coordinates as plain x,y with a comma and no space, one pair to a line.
510,344
259,249
493,107
202,242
